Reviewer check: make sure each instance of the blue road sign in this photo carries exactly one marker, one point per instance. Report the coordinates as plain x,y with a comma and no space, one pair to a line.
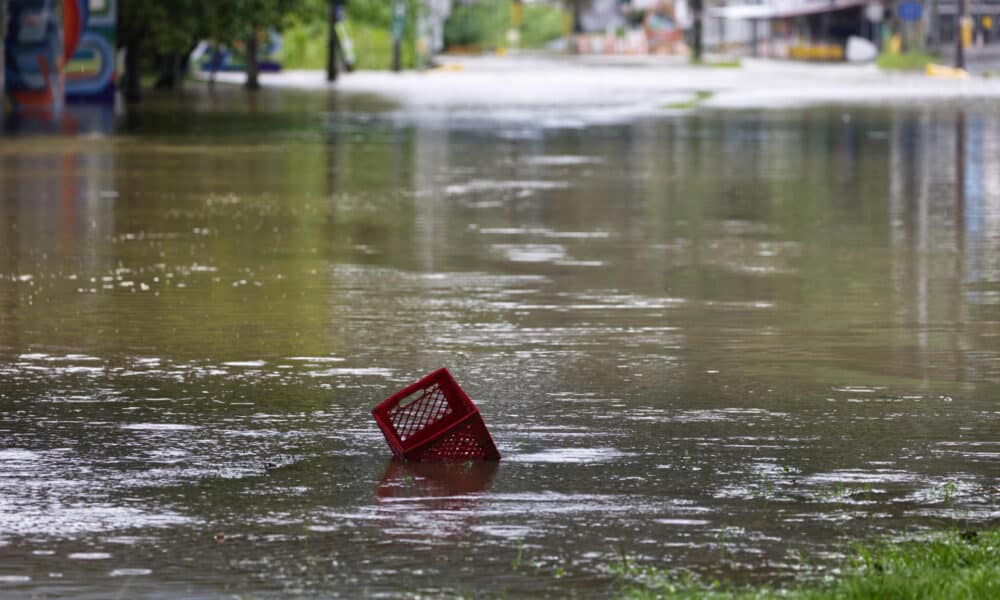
910,11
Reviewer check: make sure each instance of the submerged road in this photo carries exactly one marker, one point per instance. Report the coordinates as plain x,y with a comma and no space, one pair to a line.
617,87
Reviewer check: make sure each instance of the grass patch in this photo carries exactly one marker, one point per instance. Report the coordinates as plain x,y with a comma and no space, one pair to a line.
484,25
369,24
699,97
305,46
906,61
955,565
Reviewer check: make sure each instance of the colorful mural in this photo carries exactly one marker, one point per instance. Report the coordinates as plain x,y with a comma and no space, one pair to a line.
90,74
59,48
34,51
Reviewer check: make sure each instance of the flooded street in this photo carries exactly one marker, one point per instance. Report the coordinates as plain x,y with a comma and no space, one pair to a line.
731,342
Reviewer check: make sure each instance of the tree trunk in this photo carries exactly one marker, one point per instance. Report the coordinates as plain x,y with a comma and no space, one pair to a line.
3,49
133,83
253,69
170,71
178,75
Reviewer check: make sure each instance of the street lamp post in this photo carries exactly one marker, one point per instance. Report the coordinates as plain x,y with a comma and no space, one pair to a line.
696,30
963,18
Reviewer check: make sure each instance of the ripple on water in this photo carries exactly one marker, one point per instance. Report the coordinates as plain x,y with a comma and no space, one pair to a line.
65,358
484,185
18,454
130,572
531,253
68,517
369,371
570,455
89,556
507,532
856,476
545,233
562,160
159,427
683,522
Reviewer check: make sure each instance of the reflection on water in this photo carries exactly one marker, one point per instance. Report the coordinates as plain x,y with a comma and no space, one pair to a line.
707,339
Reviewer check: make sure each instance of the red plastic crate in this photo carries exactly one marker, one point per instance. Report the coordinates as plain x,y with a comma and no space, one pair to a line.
434,420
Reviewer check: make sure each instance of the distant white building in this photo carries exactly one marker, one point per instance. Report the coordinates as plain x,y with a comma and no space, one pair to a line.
789,28
781,28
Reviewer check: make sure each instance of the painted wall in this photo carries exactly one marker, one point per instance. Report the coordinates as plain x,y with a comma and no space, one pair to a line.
34,53
90,74
56,49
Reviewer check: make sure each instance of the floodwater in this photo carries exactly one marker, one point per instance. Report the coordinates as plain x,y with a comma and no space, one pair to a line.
726,342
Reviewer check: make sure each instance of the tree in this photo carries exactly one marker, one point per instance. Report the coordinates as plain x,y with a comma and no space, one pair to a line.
247,19
160,35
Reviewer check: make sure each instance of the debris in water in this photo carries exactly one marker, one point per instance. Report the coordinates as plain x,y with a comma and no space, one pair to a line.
434,419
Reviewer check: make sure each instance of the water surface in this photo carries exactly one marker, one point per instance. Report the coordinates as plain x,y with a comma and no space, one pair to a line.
725,342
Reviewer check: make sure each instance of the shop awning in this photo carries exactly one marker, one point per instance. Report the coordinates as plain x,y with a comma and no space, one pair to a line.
778,9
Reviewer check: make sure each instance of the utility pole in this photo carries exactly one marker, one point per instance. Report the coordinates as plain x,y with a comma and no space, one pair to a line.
696,33
331,43
398,28
963,17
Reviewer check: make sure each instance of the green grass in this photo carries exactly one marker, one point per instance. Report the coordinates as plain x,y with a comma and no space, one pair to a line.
951,566
373,48
484,25
906,61
699,97
305,46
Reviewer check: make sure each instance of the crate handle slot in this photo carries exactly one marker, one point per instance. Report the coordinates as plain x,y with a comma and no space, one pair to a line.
413,398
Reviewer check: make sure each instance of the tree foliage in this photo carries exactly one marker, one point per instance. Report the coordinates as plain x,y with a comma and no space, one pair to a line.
171,26
159,35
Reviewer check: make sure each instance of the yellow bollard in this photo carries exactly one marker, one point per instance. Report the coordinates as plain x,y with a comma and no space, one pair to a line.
966,32
895,44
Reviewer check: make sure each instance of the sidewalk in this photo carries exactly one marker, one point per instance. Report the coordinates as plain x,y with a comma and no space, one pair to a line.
615,87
